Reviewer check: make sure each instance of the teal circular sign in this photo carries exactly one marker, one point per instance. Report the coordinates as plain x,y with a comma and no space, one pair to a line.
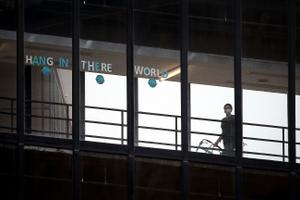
152,82
46,70
164,74
99,79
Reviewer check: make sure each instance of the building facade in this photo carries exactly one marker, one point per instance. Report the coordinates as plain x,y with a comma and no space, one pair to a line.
127,99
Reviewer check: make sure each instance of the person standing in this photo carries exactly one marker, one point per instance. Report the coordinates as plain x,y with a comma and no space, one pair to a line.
228,132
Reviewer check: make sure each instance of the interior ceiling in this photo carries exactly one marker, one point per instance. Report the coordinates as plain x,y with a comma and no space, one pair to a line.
204,68
206,65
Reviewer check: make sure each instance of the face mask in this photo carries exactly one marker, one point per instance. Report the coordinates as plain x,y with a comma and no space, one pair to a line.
228,111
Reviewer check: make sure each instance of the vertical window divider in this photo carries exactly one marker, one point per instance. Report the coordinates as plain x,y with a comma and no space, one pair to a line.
291,96
131,101
20,99
185,114
292,81
76,92
238,97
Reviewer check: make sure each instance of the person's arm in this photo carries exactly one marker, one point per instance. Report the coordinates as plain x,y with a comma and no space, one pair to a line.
218,140
221,136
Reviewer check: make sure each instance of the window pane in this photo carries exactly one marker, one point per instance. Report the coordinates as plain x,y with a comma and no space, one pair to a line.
103,176
48,173
264,185
211,182
211,76
157,72
298,186
8,168
157,179
298,83
265,79
8,67
48,68
103,70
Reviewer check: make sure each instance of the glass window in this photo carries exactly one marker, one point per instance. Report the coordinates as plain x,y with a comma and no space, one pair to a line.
48,68
298,82
211,77
8,66
103,70
103,176
8,178
47,173
211,182
157,73
157,179
265,79
264,185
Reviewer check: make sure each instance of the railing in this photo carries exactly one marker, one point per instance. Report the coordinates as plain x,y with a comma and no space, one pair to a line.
10,111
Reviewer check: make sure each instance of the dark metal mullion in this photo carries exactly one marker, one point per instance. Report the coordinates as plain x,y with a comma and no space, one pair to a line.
238,80
283,145
131,101
20,98
184,77
291,82
185,114
238,97
76,99
82,106
130,79
28,104
291,96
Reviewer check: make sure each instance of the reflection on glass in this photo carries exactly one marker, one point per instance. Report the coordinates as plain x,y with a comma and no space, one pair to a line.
211,77
47,173
264,185
48,68
264,79
8,167
7,67
211,182
157,73
103,71
157,179
103,176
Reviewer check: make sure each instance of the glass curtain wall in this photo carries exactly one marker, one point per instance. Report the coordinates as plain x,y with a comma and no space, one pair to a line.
157,179
103,176
211,182
103,71
157,73
211,76
47,173
8,66
48,68
265,79
8,171
264,185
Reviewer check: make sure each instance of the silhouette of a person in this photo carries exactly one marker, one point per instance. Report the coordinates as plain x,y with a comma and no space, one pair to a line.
228,131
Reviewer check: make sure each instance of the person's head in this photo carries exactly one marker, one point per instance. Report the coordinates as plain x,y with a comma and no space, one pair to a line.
228,109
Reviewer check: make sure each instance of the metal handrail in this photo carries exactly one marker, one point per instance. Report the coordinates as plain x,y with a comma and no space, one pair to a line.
123,124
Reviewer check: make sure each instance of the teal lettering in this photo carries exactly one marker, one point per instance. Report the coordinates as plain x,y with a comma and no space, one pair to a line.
97,66
147,71
35,60
42,60
64,62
